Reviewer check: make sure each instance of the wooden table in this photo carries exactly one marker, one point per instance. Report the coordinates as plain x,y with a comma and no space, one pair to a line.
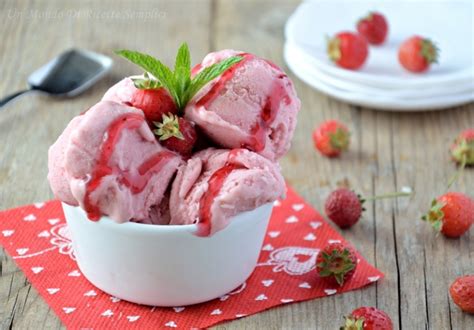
389,150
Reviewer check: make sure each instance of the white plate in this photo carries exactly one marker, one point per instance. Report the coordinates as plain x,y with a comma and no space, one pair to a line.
448,23
299,58
378,102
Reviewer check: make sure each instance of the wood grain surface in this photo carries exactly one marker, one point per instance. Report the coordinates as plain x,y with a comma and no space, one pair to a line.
389,150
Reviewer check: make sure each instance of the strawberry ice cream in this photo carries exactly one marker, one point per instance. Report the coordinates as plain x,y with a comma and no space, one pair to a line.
109,162
215,185
251,105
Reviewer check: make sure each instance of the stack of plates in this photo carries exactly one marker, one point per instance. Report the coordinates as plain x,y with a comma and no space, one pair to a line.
382,83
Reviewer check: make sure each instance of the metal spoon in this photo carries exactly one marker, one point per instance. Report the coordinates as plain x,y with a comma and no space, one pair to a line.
69,74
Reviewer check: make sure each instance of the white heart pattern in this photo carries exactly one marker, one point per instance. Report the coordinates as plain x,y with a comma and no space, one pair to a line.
293,260
276,203
171,324
297,207
330,291
315,224
69,310
268,247
267,283
115,299
132,318
39,205
305,285
224,297
291,219
22,251
240,315
74,273
332,241
286,301
52,222
273,234
90,293
216,312
261,297
44,233
52,290
310,237
30,217
373,278
178,309
7,232
37,270
107,313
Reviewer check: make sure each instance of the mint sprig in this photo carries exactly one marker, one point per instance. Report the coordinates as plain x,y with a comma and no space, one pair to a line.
178,82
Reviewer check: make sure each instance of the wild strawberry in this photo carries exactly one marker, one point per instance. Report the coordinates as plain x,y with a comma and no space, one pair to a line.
462,149
416,54
176,134
337,262
373,27
462,293
348,50
451,213
344,207
368,318
331,138
151,98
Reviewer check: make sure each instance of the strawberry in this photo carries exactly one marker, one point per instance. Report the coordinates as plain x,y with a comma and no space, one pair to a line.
373,27
177,134
462,149
416,54
462,293
368,318
151,98
337,262
344,207
331,138
451,213
348,50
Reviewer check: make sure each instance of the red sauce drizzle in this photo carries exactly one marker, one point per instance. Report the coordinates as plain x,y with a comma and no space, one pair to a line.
196,69
136,182
216,181
211,95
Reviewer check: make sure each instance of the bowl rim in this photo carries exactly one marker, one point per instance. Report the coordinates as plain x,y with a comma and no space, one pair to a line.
107,222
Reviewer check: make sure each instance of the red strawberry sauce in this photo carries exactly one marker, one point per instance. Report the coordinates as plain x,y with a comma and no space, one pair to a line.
215,183
269,110
136,182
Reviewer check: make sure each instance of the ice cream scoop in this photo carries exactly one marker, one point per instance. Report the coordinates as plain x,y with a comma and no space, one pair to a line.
109,162
251,105
216,184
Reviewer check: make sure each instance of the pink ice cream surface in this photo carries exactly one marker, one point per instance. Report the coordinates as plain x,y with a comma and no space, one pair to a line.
109,162
121,92
252,105
254,181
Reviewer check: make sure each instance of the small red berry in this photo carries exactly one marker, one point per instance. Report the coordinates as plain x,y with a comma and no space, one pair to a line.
452,214
373,27
348,50
368,318
462,293
462,149
176,134
331,138
416,54
344,207
337,262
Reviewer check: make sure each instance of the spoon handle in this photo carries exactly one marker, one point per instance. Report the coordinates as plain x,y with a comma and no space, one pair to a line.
12,96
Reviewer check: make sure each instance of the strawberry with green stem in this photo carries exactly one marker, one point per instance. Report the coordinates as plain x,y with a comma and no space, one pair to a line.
175,133
336,262
331,138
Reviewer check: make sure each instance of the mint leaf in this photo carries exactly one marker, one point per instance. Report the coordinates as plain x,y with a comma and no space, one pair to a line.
146,82
150,64
209,73
182,71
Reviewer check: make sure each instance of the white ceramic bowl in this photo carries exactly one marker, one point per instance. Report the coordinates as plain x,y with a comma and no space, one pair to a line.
166,265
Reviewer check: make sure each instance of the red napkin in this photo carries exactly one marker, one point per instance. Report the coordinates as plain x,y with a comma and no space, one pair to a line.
37,238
